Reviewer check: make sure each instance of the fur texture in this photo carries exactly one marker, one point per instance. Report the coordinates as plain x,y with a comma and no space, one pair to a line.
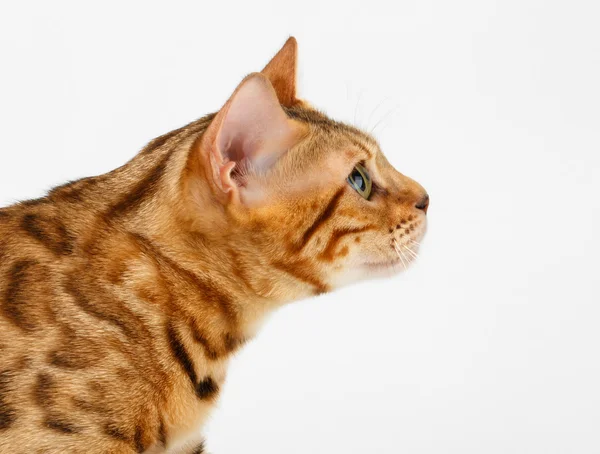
123,296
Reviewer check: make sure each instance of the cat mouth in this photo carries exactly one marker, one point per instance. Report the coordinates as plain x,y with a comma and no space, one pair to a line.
406,254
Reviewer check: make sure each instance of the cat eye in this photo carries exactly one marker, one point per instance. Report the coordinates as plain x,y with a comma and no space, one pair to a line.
359,179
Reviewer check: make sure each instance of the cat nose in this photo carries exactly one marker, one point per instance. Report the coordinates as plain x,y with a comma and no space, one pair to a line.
423,204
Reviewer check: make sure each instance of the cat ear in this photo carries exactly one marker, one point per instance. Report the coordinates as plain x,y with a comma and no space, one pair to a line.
281,71
247,136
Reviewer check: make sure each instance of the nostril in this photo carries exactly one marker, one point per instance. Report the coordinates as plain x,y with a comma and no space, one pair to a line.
423,204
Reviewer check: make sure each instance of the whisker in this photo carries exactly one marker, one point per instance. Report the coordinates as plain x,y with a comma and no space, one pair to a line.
375,110
385,117
416,242
400,255
411,252
396,250
405,258
357,104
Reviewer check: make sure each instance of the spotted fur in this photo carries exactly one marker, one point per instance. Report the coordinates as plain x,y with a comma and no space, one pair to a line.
123,296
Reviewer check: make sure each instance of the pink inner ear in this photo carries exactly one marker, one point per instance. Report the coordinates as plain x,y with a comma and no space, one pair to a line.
255,131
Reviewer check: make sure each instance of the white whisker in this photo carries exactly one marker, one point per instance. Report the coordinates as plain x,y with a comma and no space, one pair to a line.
400,255
407,259
410,251
396,250
385,117
357,105
375,111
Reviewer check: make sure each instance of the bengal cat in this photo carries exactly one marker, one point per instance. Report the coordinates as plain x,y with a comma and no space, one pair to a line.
124,295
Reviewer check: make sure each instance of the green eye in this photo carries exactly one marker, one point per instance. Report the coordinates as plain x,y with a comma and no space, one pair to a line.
359,179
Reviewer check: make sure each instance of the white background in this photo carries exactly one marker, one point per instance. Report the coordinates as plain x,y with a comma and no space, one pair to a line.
490,344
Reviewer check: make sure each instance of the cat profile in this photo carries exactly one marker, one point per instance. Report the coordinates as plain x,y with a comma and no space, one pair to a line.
124,295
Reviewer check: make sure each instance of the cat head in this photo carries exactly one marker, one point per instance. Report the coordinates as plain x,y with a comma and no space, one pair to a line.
310,197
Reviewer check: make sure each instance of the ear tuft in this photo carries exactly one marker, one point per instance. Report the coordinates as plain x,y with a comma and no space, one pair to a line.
281,71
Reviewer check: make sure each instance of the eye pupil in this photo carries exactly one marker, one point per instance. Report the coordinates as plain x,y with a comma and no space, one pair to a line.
360,181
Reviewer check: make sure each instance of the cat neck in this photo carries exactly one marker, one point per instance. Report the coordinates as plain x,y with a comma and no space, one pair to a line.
189,254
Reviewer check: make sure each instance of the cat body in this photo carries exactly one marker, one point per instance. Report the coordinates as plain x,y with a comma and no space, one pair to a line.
123,296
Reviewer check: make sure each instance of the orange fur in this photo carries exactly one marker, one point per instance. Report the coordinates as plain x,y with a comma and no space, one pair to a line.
123,296
281,71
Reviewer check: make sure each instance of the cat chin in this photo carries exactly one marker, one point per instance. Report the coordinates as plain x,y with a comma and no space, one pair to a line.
368,271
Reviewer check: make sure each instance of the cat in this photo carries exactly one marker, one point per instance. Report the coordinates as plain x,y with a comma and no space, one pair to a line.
124,295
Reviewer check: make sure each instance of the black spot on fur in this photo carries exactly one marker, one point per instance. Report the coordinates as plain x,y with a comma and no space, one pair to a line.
180,353
7,412
138,440
232,343
321,218
211,353
66,360
207,388
141,191
115,432
51,233
44,393
44,390
62,426
162,433
101,309
91,406
14,306
74,191
7,416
